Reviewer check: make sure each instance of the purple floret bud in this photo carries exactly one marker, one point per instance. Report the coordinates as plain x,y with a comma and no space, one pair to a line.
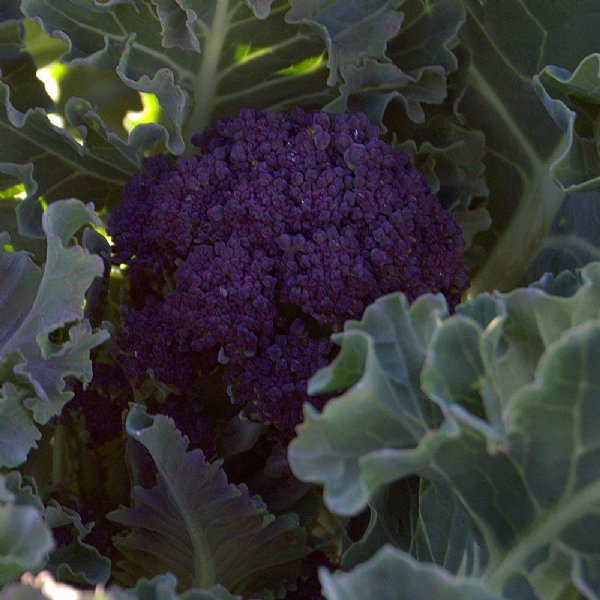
284,226
355,155
322,139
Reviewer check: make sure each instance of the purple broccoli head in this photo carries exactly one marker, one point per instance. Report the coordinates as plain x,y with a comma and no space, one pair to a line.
250,254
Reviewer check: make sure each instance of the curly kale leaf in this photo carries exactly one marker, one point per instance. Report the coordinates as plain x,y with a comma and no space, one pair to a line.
195,524
508,461
44,337
573,100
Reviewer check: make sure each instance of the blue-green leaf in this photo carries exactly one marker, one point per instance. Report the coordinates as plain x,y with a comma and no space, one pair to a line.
414,68
18,69
394,575
163,587
35,303
382,356
573,101
204,59
514,492
340,23
53,164
195,524
521,140
194,55
25,539
76,561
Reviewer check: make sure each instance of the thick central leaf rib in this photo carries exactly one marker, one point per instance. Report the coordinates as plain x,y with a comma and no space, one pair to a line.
205,87
204,568
198,526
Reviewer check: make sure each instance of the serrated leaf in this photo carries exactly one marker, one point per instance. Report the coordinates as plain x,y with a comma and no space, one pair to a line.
57,166
193,88
34,303
44,587
573,101
25,539
454,374
196,57
341,23
385,400
394,575
522,142
44,49
451,161
516,379
17,432
261,8
18,69
195,524
110,98
413,70
35,247
76,561
532,321
564,284
574,237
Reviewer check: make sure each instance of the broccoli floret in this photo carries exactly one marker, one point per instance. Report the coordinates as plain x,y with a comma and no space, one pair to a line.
250,254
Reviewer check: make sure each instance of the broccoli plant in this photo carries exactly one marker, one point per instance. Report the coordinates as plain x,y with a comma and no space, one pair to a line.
246,257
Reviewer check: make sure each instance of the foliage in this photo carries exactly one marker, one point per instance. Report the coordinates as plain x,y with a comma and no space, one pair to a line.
509,480
43,336
195,524
448,450
573,101
44,587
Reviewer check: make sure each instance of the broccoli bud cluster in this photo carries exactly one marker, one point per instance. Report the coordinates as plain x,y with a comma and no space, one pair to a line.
250,254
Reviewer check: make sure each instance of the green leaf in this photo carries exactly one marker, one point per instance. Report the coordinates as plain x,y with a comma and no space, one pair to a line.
19,433
451,162
18,69
35,303
44,587
522,142
512,483
382,355
574,237
76,561
225,73
205,59
195,524
111,99
340,23
413,69
35,247
25,539
394,575
394,512
44,49
56,166
573,102
443,536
